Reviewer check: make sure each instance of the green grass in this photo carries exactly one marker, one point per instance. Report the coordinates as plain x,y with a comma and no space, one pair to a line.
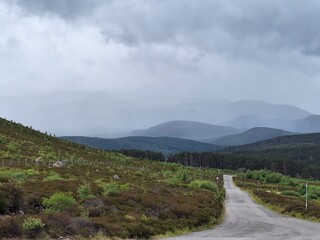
285,197
85,199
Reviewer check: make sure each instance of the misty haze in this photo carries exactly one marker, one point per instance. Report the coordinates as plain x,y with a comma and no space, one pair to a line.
159,119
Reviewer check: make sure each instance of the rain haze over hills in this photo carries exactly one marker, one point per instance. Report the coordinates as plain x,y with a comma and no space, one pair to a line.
92,67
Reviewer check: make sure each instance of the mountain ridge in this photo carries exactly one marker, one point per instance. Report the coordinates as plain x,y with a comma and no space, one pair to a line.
186,130
166,145
250,136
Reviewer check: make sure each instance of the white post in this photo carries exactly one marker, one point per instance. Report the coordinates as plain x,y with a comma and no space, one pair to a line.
306,196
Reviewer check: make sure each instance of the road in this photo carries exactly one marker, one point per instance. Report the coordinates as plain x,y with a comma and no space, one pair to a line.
246,219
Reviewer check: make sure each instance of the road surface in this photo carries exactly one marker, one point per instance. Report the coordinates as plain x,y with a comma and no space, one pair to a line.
246,219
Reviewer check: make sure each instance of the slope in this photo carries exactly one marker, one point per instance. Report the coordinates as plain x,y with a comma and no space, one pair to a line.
187,130
97,194
303,147
250,136
164,144
304,125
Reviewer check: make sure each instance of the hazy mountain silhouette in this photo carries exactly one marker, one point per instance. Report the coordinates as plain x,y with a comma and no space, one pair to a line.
304,125
250,136
187,130
263,109
166,145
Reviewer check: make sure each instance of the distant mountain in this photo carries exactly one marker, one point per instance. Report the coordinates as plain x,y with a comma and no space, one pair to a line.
252,121
308,124
263,109
250,136
186,130
166,145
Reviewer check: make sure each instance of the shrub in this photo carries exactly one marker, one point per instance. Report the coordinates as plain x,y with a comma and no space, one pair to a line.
314,193
13,146
183,175
53,176
3,139
84,191
273,177
291,193
290,182
166,173
32,172
10,198
59,224
204,184
32,223
111,189
13,174
174,182
9,227
58,202
129,217
302,189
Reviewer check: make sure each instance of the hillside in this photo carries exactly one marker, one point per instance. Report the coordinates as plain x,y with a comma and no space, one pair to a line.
186,130
291,141
166,145
308,124
294,155
253,121
304,147
93,193
250,136
20,142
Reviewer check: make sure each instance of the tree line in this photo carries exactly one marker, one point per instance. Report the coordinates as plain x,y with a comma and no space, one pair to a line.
295,168
143,154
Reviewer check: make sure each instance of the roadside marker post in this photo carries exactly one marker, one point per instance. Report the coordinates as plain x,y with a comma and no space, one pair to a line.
306,196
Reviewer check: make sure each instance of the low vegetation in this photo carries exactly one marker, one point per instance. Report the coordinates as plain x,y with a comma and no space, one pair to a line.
282,193
97,193
295,165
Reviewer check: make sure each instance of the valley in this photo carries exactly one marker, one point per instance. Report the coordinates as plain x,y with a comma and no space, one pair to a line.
136,186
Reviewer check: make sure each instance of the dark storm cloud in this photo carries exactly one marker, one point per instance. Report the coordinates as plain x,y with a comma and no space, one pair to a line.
218,25
225,26
66,9
155,53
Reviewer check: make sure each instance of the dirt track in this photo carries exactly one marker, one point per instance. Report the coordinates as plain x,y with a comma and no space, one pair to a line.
245,219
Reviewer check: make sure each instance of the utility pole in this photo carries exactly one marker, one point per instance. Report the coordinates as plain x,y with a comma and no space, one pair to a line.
306,196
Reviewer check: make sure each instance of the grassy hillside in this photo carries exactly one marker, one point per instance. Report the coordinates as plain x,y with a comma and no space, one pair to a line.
19,142
250,136
166,145
282,193
186,130
96,193
284,142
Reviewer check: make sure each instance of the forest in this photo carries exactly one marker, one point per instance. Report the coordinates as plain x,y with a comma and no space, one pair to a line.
295,168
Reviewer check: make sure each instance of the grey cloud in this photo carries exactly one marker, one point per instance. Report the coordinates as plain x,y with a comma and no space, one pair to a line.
66,9
215,25
155,52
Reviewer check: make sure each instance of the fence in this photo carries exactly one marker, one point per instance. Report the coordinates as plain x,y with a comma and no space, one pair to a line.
57,163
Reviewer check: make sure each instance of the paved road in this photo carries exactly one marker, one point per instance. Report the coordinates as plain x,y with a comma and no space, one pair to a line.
245,219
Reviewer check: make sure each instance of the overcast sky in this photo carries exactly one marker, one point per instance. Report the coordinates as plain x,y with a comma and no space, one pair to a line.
152,52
